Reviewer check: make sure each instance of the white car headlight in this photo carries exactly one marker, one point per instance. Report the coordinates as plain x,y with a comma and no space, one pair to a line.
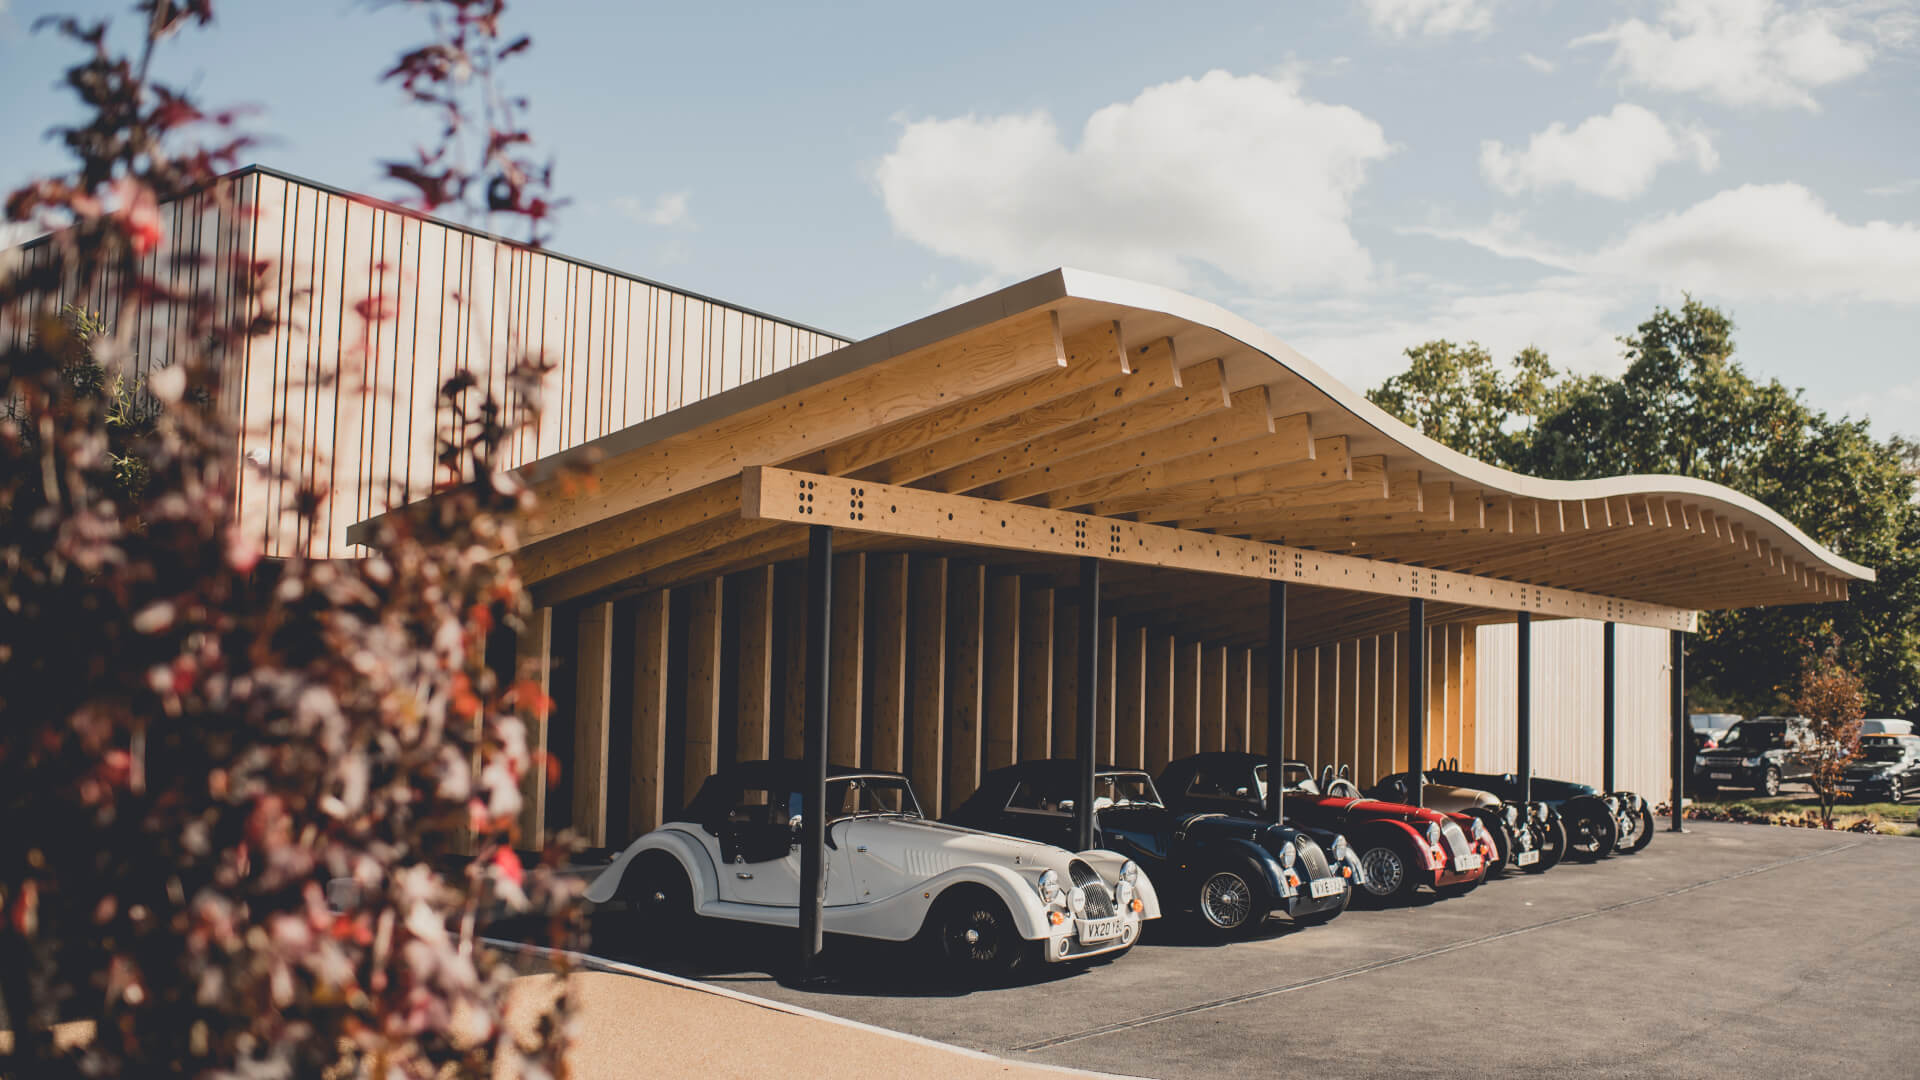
1479,830
1129,872
1049,886
1077,902
1340,849
1287,855
1433,835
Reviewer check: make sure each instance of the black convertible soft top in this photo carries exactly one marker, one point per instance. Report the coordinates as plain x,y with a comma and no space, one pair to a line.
775,774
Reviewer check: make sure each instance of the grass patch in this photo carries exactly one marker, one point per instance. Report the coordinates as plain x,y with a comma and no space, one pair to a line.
1797,804
1895,819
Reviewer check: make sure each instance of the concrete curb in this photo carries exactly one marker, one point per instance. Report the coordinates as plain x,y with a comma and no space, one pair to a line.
594,963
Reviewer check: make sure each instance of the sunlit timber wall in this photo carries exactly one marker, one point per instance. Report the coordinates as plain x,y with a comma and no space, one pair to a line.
1568,685
373,308
940,668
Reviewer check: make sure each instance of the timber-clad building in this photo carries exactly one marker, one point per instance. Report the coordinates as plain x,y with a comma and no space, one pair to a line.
1077,507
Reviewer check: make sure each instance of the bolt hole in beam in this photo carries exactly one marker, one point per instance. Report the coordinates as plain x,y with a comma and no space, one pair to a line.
769,493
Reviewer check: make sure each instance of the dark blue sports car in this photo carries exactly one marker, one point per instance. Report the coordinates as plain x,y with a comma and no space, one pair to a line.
1227,872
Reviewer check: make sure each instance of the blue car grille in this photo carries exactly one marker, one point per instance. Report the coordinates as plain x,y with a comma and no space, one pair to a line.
1312,859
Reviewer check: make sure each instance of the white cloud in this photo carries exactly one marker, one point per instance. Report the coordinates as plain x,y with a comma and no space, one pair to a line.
1613,156
1571,319
1755,242
1240,173
1773,242
1538,63
1505,235
1738,52
666,211
1433,18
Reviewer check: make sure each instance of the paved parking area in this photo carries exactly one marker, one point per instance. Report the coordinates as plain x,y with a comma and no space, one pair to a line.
1730,951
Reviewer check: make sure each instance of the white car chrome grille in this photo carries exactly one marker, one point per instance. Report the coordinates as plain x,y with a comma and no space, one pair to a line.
1099,897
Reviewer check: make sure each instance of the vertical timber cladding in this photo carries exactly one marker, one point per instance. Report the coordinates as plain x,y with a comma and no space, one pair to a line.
1568,689
376,307
943,668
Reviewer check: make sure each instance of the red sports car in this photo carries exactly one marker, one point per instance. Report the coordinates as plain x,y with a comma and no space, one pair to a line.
1401,847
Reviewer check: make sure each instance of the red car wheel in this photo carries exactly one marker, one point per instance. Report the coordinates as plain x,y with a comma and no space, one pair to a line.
1393,870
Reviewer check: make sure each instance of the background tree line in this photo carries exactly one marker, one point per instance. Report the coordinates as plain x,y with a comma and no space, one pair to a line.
1685,406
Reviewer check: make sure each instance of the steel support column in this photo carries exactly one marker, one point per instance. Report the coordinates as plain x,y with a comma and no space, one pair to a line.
1609,703
1417,700
1277,700
1677,688
813,798
1088,705
1523,707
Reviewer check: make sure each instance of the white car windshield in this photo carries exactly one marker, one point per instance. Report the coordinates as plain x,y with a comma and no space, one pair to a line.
859,796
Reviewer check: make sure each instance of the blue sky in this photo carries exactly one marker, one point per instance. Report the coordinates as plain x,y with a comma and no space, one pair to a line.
1357,177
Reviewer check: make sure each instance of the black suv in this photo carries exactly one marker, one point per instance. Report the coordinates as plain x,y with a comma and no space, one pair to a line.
1760,754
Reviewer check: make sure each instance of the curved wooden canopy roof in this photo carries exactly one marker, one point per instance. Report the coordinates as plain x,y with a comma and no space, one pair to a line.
1077,402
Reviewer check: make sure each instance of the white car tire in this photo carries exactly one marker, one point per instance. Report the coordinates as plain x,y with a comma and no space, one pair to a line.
971,933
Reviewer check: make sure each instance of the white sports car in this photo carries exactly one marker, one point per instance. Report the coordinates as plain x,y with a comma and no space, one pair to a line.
982,902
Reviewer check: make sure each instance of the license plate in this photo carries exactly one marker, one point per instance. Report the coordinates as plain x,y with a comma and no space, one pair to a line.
1721,775
1469,861
1328,886
1093,931
1526,858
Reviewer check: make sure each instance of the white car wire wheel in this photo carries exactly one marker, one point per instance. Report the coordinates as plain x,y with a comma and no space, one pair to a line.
973,935
1227,901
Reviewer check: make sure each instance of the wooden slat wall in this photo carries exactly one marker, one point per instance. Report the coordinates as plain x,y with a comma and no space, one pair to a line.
333,397
1567,669
945,669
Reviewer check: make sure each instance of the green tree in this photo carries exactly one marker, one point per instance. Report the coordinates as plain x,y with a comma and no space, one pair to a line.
1458,395
1685,406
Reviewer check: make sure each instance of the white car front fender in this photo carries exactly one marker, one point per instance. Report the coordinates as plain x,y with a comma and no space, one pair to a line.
901,916
687,850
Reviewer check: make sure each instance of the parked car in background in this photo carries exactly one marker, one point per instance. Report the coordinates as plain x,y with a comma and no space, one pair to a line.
1598,823
1399,847
1885,726
1759,755
1228,873
982,904
1886,770
1530,836
1713,725
1704,732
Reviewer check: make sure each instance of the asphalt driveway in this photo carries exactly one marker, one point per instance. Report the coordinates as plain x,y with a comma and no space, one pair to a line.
1730,951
